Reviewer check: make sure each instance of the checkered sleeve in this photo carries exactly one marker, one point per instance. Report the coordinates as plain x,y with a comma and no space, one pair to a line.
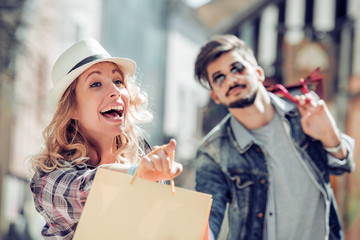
59,197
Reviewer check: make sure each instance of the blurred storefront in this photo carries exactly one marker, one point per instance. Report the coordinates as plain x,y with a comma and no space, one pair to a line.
33,33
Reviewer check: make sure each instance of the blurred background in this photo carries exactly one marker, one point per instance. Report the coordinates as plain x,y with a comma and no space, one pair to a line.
290,39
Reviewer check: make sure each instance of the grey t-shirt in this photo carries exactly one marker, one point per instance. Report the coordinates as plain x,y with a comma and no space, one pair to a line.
296,207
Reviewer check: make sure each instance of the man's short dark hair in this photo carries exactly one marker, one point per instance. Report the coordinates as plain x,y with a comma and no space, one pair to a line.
218,45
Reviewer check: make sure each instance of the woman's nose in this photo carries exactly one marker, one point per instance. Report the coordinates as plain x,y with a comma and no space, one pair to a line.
114,91
115,95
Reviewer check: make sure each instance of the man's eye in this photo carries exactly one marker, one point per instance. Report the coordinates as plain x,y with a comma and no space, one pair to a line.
96,84
237,69
219,78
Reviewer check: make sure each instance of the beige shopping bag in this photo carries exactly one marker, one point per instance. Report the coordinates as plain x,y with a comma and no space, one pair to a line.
144,210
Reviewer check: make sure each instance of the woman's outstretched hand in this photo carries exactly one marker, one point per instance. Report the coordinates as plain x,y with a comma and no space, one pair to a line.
159,164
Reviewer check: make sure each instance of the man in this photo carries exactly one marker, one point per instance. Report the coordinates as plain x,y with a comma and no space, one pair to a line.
269,160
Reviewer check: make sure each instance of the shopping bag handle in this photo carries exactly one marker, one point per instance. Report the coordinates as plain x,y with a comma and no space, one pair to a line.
172,184
280,89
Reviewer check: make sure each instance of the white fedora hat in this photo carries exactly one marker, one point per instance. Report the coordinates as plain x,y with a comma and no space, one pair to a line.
75,60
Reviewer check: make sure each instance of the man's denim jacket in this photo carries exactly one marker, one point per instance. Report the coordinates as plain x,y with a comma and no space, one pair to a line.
238,176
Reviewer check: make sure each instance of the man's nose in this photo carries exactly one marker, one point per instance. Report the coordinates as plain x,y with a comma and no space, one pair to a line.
231,77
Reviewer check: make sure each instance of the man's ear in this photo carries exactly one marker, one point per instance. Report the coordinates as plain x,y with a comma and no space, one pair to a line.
214,97
260,73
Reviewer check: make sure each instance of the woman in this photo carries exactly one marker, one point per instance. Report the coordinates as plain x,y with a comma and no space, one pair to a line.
98,109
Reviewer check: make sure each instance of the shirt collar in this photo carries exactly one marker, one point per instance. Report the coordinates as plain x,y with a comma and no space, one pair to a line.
243,137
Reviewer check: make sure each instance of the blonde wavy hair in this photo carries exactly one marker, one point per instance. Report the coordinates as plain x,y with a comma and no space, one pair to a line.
65,144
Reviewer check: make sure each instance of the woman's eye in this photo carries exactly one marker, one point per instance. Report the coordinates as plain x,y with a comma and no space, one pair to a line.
119,82
96,84
219,78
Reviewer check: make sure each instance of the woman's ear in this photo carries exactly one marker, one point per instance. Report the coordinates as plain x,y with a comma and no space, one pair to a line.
260,73
75,115
214,97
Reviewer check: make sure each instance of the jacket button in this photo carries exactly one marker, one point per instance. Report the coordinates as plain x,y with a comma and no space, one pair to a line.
262,181
260,215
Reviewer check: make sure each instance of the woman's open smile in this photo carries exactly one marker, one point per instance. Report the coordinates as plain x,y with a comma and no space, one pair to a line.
101,85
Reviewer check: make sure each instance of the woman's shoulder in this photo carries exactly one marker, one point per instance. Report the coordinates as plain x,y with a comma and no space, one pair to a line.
67,170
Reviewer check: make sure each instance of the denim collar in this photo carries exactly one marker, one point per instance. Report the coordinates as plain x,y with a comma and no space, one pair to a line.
243,136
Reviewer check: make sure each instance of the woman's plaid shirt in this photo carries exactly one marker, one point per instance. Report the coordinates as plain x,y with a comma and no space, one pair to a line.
59,197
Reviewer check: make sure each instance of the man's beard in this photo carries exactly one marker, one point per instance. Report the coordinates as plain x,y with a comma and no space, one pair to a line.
243,102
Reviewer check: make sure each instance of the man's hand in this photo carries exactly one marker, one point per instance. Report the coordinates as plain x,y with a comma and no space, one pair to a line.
318,123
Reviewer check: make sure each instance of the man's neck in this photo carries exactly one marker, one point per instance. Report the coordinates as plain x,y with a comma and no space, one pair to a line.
257,115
